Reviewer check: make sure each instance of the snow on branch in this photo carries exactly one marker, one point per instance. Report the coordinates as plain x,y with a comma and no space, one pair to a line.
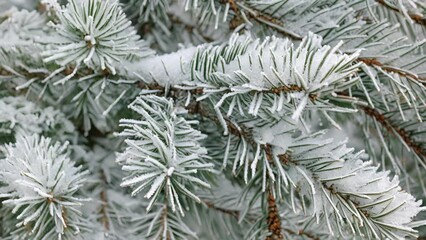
320,179
163,153
412,13
350,195
273,74
40,187
95,33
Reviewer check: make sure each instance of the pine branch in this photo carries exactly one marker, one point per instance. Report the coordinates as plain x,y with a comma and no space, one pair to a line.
152,87
273,219
240,131
417,18
244,65
347,186
101,38
249,87
40,179
163,153
401,72
245,133
350,201
261,18
314,169
236,214
392,129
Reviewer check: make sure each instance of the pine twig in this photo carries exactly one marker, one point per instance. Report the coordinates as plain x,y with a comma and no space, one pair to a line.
233,213
103,211
164,221
273,219
392,129
375,63
272,22
417,18
239,131
259,17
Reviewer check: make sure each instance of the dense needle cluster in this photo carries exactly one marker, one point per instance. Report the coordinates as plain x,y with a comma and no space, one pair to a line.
41,183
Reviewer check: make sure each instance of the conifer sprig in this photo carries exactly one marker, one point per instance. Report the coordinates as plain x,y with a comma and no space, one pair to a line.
95,33
163,153
41,185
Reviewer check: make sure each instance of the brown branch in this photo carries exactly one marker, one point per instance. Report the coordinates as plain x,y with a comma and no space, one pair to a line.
274,23
103,211
417,18
239,131
233,5
237,20
374,62
273,219
151,86
164,220
83,71
392,129
259,17
233,213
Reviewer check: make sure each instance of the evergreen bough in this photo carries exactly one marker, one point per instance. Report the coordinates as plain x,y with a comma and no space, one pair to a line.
212,119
